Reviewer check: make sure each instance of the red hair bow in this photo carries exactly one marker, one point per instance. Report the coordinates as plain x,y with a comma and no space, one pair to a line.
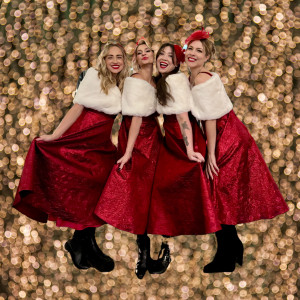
197,35
179,54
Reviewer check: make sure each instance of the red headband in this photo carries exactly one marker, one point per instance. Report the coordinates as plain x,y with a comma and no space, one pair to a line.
179,54
197,35
140,39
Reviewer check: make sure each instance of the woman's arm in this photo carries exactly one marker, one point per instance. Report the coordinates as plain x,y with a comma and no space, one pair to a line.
187,135
65,124
211,135
134,130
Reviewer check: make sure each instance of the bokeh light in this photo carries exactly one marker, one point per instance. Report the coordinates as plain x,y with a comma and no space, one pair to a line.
44,45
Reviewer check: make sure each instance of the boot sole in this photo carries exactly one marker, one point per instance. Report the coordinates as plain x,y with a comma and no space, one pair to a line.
100,269
161,271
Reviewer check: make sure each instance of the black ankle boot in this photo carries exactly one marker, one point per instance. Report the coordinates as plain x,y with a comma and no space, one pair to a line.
160,265
143,243
76,248
96,258
229,252
85,252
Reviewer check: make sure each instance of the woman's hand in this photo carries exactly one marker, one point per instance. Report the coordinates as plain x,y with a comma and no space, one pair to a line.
211,166
123,160
195,156
47,138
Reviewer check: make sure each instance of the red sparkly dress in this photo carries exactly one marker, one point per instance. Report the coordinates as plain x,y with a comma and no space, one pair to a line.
181,202
125,201
62,180
244,190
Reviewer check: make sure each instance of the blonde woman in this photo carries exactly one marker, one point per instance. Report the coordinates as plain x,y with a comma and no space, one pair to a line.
243,188
65,172
125,201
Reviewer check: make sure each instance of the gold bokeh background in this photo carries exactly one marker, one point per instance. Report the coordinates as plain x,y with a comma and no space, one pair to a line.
44,45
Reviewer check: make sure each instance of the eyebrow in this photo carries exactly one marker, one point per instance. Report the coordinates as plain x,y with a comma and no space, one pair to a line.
196,48
147,48
111,55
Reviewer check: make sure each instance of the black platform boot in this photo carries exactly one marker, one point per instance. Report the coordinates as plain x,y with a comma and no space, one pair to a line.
229,252
143,243
76,248
160,265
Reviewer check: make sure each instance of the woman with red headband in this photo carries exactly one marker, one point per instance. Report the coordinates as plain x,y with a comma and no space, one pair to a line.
125,200
243,188
181,200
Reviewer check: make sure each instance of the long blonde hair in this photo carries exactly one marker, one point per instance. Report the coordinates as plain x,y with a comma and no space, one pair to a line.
106,77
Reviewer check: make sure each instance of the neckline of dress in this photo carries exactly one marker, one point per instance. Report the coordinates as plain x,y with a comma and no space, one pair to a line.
143,81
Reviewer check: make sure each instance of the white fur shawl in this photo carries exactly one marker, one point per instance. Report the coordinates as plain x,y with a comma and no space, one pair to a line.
90,94
210,100
138,98
179,88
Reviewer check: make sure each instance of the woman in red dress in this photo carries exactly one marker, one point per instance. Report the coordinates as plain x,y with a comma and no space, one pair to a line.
125,200
65,172
181,200
243,188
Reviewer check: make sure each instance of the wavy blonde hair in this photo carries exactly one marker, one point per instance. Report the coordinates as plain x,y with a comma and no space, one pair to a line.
135,65
106,77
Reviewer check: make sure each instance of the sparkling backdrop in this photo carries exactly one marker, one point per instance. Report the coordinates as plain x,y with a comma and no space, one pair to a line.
44,45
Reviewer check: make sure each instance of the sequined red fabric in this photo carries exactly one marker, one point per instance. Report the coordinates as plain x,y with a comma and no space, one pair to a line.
62,180
125,200
181,201
244,190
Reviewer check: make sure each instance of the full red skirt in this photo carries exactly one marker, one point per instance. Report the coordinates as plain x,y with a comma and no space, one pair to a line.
244,190
125,201
181,201
62,180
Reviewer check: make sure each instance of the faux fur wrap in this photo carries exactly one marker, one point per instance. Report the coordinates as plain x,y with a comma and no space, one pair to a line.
138,98
179,88
90,95
210,100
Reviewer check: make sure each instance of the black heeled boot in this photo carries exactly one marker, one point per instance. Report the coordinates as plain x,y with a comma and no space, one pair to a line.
86,252
94,255
76,248
143,243
160,265
229,252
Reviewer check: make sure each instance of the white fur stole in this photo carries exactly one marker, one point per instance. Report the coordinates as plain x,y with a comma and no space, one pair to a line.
210,100
179,88
90,95
138,98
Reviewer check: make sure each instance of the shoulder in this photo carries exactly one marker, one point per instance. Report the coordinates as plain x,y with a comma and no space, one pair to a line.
178,78
201,78
91,70
90,73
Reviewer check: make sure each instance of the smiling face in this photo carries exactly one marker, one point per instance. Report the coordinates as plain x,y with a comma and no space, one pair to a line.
166,60
144,55
195,56
114,60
